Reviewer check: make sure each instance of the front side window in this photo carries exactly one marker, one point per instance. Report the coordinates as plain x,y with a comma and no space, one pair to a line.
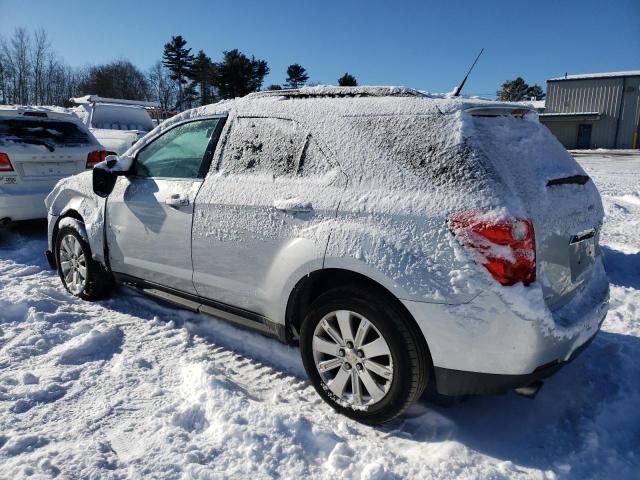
179,153
258,144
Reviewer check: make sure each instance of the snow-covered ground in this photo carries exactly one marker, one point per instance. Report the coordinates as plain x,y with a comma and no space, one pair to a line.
128,388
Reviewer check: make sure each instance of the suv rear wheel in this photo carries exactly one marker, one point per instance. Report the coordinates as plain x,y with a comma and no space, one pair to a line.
363,356
80,274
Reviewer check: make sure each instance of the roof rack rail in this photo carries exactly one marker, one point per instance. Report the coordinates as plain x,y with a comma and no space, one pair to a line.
116,101
339,92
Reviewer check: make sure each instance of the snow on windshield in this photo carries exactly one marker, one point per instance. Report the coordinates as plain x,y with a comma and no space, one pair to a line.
41,131
121,117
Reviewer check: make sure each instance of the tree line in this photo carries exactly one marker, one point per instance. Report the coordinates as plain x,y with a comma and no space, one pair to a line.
31,73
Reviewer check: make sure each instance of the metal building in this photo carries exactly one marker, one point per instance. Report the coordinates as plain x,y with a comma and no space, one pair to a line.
596,110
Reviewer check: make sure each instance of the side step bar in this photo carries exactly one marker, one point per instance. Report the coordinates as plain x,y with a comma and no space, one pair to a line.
197,304
208,310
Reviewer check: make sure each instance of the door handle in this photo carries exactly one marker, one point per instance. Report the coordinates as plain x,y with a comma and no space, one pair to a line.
293,205
177,200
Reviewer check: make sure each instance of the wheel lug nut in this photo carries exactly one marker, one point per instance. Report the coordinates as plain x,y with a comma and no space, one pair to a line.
359,367
347,366
360,354
341,352
349,345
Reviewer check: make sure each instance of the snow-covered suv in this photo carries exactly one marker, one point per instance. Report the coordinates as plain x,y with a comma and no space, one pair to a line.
38,147
400,239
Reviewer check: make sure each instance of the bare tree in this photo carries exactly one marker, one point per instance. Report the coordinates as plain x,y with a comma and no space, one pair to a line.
38,57
163,88
16,59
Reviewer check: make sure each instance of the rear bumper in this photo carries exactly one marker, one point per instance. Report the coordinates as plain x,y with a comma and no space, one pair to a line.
458,382
23,206
505,339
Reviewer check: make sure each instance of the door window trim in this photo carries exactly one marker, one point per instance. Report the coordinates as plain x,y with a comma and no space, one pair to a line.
208,153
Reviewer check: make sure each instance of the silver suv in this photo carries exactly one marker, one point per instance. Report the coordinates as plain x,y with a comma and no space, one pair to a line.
399,239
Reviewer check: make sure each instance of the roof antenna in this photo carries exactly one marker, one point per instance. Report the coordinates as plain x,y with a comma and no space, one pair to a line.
458,89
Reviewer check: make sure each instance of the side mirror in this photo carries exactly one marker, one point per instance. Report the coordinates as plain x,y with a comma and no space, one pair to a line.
104,181
105,175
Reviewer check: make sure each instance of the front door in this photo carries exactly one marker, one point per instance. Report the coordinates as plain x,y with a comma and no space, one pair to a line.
584,137
150,211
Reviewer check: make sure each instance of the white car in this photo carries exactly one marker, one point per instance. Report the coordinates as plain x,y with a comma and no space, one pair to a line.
116,123
399,239
38,147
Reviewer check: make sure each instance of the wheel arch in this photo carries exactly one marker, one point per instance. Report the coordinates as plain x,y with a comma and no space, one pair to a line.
311,286
70,213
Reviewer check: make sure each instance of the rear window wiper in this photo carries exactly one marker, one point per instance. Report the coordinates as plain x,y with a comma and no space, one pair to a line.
33,141
573,179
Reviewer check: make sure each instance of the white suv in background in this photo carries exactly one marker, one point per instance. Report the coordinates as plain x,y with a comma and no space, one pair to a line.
38,147
116,123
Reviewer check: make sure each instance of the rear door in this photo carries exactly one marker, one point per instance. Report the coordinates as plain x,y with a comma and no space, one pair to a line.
260,214
149,212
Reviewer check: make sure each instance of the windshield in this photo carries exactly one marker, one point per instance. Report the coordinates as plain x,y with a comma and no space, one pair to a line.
41,131
121,117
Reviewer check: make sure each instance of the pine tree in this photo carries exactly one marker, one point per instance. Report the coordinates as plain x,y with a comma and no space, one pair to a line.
238,75
347,80
178,59
274,87
202,73
513,90
296,76
535,92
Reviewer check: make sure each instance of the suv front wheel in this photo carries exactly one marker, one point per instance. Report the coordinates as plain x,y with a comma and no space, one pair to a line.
363,356
80,274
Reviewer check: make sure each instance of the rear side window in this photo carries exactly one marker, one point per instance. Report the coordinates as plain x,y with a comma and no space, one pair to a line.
264,145
413,150
179,153
41,131
121,117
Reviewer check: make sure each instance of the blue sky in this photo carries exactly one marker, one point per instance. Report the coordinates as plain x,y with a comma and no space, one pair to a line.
427,45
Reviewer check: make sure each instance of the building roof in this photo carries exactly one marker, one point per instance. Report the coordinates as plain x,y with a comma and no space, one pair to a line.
581,76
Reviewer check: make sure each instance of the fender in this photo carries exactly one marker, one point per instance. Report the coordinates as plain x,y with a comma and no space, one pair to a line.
74,196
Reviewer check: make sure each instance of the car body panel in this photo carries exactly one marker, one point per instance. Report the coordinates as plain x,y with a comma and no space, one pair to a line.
246,225
147,238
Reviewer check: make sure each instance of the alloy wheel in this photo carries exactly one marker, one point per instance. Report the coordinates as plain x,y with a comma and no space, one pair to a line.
352,358
73,264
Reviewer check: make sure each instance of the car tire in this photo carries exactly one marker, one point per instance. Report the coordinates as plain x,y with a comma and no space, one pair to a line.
80,274
399,377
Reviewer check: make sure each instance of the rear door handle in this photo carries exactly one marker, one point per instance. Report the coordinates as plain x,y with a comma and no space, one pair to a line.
177,200
293,206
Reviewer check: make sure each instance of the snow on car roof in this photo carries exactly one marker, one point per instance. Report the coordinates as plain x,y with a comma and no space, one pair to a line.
580,76
50,111
314,102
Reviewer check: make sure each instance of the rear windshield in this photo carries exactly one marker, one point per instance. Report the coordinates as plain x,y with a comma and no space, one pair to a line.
46,132
121,117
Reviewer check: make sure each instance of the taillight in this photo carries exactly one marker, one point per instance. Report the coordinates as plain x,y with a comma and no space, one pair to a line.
5,163
505,245
95,157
